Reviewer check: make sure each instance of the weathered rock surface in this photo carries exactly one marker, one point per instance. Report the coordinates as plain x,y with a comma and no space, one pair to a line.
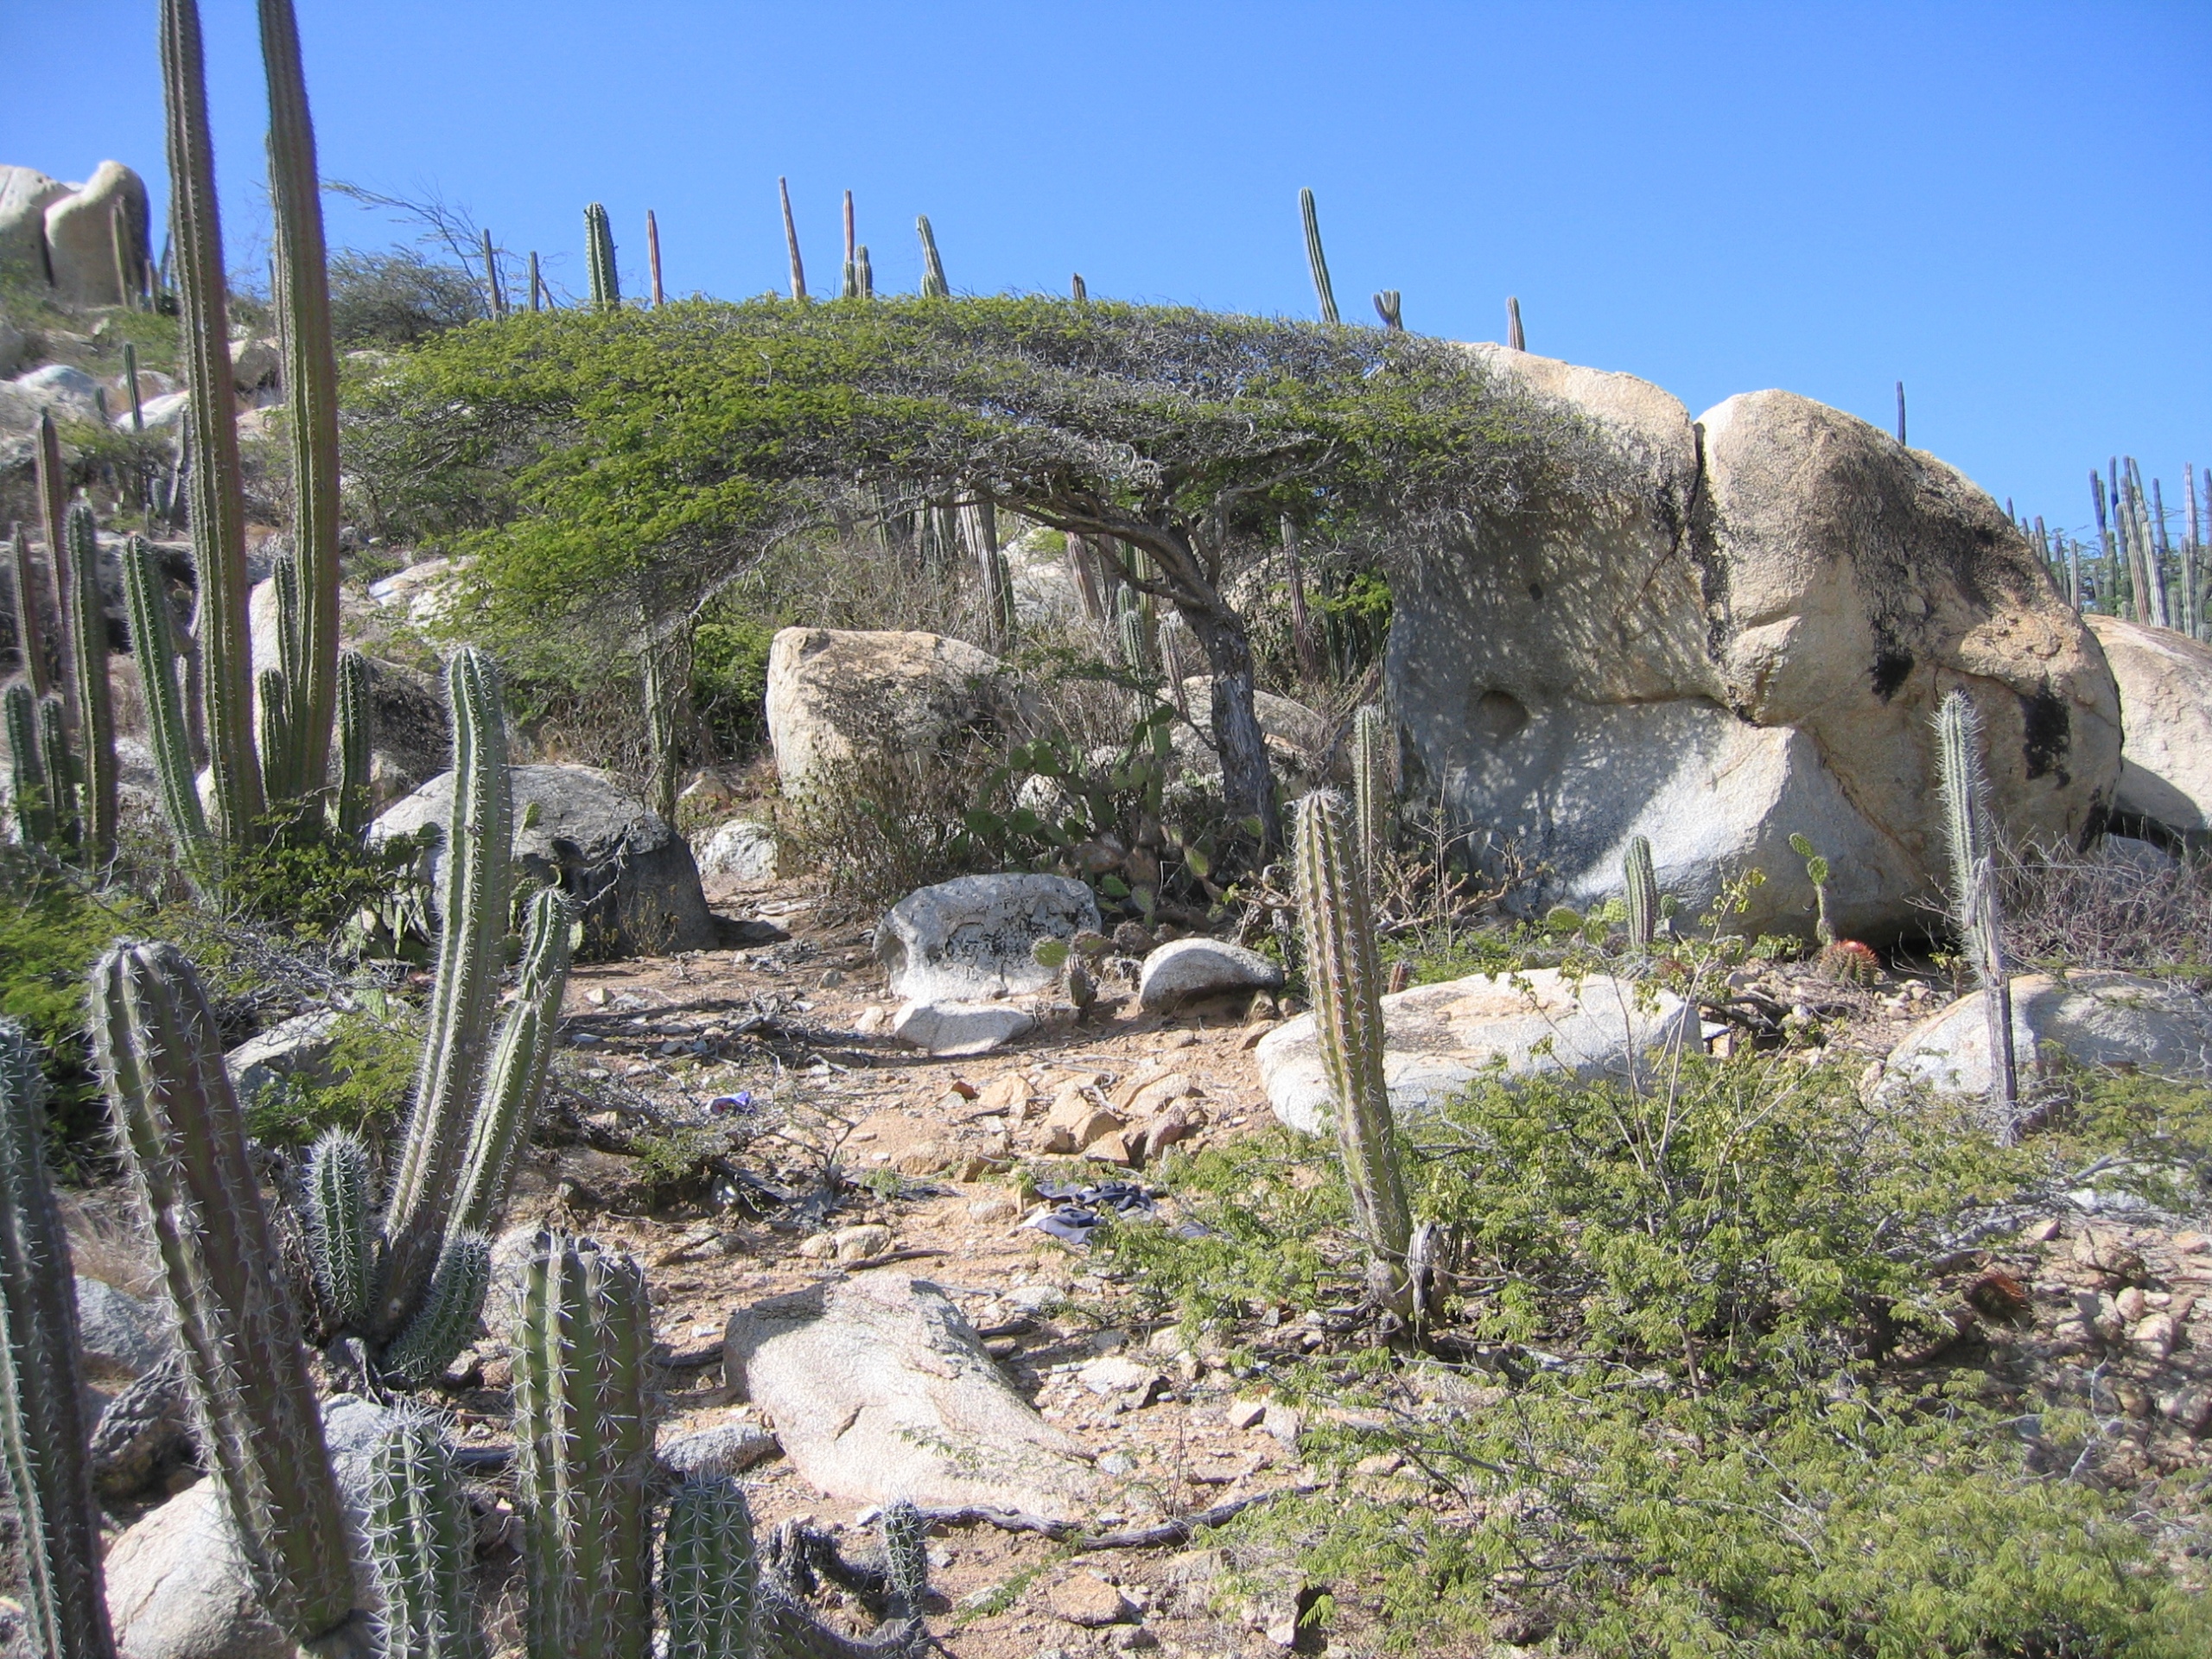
974,936
956,1028
725,1449
2098,1019
80,234
293,1048
1437,1039
878,1389
1742,637
25,195
69,393
739,851
2166,710
121,1335
835,697
1188,969
177,1586
632,874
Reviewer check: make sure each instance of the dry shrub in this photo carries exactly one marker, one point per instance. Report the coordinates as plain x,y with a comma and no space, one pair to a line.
2118,906
873,827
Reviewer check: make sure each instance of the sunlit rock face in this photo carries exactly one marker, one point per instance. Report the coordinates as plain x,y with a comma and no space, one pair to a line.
1740,636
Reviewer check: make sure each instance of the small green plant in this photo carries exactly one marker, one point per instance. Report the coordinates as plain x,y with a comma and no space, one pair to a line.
1816,871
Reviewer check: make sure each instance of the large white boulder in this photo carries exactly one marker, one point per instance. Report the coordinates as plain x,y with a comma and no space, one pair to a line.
880,1390
975,937
835,697
80,234
739,851
69,393
25,195
631,874
1189,970
1438,1039
2165,709
1734,631
2098,1020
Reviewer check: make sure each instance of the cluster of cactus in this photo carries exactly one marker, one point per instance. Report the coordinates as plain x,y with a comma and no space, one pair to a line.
1388,306
598,258
2141,574
42,1418
1970,843
1345,974
934,287
60,717
1316,260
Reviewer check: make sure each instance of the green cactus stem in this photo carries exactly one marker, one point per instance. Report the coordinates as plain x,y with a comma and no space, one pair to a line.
1347,981
851,288
310,381
215,478
421,1546
934,286
31,789
30,621
1816,871
1516,337
446,1321
865,271
95,703
1316,260
130,386
495,296
51,480
790,243
356,728
341,1239
183,1139
273,728
1387,307
906,1561
599,257
43,1424
1970,842
154,647
536,284
61,779
515,1080
1642,882
584,1451
473,909
652,258
1374,789
710,1573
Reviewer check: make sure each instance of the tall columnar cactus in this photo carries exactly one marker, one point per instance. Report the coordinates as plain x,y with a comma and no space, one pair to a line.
1375,790
1345,980
154,648
495,295
1970,842
536,282
1388,306
356,727
42,1420
850,288
30,617
864,271
598,258
516,1077
473,906
63,783
1642,884
31,789
52,482
934,286
710,1575
130,386
584,1451
183,1137
1516,337
310,379
89,676
1316,260
218,502
653,258
791,243
421,1546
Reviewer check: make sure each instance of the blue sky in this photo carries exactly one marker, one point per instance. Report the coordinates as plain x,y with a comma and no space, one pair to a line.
2007,205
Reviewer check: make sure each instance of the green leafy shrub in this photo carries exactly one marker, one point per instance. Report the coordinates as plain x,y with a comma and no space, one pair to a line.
362,1085
305,877
729,680
51,931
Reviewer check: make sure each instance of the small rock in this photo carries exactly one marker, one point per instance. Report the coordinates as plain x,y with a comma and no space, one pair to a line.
1115,1375
972,936
2155,1335
1036,1298
1116,1463
1131,939
1196,1566
1008,1095
2130,1303
1075,1121
819,1247
2189,1406
723,1450
996,1207
1086,1600
1189,970
1247,1413
2043,1232
1283,1423
1132,1638
923,1158
872,1021
2110,1256
859,1243
1162,1091
1382,1463
119,1335
956,1028
2192,1244
740,850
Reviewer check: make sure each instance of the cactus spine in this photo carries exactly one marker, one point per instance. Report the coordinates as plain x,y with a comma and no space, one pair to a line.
1345,981
88,664
1387,307
1316,260
421,1547
472,903
42,1420
1374,789
1964,786
790,243
217,504
184,1140
584,1450
598,258
1642,882
934,286
711,1577
155,649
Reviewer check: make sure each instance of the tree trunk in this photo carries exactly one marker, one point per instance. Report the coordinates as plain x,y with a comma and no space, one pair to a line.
1248,784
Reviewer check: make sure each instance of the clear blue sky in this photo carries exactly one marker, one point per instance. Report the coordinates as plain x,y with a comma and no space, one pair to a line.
2008,206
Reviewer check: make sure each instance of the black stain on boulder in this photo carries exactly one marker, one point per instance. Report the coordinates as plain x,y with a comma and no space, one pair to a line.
2046,733
1892,665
